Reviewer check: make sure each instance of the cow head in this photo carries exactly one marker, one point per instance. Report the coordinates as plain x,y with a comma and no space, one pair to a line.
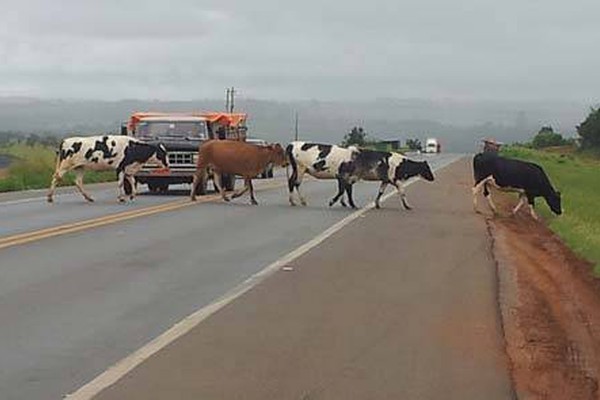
278,155
554,202
161,155
425,171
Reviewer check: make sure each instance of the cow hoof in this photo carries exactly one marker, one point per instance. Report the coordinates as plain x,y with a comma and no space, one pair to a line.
121,200
377,206
227,199
193,198
89,199
50,200
303,203
331,204
254,203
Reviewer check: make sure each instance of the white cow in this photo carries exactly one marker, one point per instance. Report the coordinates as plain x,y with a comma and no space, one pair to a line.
124,154
322,161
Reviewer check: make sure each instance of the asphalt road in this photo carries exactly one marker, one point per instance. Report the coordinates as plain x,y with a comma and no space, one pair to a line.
72,305
396,305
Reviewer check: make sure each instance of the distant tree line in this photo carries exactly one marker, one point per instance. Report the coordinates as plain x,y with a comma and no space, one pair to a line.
589,131
359,137
29,139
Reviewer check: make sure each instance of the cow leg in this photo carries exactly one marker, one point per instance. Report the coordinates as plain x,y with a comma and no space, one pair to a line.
297,186
482,186
349,193
294,183
382,187
217,181
131,181
79,184
531,201
121,176
489,199
477,188
402,193
242,190
522,200
199,177
339,194
57,177
252,198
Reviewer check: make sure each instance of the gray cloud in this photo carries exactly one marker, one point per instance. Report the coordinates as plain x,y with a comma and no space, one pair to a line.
184,49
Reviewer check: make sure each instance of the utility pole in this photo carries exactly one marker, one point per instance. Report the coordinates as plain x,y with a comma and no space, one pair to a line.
232,97
296,128
227,101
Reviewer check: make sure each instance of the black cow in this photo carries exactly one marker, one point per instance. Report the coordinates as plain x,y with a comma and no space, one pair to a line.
388,168
526,178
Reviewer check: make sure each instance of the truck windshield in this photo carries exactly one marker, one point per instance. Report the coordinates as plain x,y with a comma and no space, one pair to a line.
178,129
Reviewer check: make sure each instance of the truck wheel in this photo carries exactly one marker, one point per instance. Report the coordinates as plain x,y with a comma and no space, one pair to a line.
164,188
152,187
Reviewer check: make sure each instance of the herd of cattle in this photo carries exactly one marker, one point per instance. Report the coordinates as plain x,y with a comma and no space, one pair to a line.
349,165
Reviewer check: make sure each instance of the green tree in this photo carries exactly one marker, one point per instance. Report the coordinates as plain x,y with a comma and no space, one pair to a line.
546,137
357,137
414,144
589,130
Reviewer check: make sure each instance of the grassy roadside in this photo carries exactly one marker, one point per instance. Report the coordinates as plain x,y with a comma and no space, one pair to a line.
33,167
577,177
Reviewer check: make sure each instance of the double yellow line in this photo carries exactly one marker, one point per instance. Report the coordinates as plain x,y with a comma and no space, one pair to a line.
27,237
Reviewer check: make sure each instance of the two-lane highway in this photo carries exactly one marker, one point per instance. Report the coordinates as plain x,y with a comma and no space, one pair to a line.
72,303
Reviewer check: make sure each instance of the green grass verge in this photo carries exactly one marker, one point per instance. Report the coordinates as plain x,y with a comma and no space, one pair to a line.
577,177
33,167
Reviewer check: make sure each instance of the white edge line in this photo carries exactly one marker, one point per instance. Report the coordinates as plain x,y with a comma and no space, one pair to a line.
125,365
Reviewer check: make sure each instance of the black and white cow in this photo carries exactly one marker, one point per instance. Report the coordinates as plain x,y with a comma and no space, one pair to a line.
124,154
526,178
387,168
322,161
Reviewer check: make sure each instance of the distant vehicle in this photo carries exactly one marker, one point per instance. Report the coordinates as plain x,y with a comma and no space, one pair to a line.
268,172
432,145
182,134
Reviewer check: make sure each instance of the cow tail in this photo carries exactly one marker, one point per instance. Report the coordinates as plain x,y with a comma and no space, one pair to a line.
59,153
291,161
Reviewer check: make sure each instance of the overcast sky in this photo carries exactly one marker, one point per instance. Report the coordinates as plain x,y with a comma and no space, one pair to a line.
334,50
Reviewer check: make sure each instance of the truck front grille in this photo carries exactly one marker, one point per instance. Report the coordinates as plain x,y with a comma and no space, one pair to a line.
178,158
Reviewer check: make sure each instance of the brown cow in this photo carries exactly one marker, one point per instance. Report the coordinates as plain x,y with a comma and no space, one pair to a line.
235,157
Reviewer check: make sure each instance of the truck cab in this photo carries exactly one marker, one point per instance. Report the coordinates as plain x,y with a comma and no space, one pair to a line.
182,134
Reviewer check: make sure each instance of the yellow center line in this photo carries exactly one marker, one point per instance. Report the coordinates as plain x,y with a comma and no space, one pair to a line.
32,236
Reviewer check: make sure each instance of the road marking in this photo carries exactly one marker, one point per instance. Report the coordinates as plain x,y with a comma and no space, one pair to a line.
124,366
27,237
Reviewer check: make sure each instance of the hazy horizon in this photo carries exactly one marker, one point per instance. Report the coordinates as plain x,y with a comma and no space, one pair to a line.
458,124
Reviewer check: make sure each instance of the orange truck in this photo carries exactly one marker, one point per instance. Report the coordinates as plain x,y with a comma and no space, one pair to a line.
182,134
